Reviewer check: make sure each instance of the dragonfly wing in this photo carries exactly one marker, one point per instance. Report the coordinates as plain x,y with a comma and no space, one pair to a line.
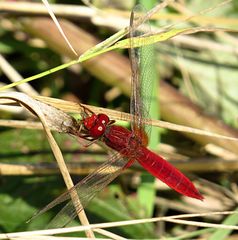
141,84
86,190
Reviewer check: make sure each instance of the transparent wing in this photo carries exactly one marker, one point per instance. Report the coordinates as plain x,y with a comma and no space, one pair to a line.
107,172
86,190
141,85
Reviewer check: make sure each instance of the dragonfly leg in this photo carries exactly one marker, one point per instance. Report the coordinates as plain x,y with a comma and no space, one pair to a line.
129,163
92,142
86,111
86,136
75,129
111,122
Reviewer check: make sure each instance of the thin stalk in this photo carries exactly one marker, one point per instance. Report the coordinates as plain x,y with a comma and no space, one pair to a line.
146,191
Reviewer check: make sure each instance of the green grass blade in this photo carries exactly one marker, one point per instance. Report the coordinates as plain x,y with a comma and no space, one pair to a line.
40,75
192,235
99,49
146,191
221,234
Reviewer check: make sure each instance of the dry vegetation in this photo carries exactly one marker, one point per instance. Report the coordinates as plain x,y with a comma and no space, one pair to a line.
196,71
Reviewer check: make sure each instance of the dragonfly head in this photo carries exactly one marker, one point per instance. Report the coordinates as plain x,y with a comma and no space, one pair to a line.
96,124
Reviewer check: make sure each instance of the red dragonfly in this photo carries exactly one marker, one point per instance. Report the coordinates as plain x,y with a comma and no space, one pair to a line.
128,146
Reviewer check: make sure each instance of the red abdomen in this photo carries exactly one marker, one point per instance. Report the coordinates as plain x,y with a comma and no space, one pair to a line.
123,141
167,173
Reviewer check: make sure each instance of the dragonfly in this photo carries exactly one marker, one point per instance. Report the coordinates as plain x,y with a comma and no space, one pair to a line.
127,145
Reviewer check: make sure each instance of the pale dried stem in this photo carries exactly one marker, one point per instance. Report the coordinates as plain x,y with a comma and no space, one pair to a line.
75,107
21,124
65,10
52,15
198,165
49,117
81,11
81,168
14,76
109,234
67,179
115,115
127,223
75,11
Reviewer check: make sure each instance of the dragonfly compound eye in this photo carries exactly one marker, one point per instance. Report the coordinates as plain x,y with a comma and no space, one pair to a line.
89,122
103,118
97,130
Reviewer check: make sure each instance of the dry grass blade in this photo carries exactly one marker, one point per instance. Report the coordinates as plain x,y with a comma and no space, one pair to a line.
83,168
125,223
55,119
21,124
109,234
202,224
192,15
75,107
58,26
14,76
35,8
52,118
